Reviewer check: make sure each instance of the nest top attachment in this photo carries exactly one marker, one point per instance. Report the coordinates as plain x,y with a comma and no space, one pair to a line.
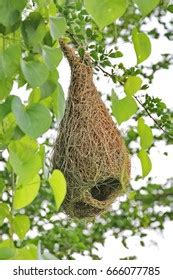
89,148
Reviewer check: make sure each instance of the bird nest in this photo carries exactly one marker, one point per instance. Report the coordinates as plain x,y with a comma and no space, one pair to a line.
89,148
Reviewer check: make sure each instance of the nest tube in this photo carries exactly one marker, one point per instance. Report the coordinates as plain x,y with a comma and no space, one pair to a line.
89,148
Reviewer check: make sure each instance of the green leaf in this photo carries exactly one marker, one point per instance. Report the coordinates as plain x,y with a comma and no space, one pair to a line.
7,127
132,195
49,4
18,134
123,109
8,69
6,253
142,45
35,73
6,85
116,54
50,85
33,29
25,159
4,209
170,8
145,163
58,185
6,243
145,133
106,11
47,102
2,187
34,96
146,6
81,52
29,252
25,194
33,121
10,11
48,88
58,102
20,79
132,85
41,3
21,225
5,108
4,212
58,27
52,57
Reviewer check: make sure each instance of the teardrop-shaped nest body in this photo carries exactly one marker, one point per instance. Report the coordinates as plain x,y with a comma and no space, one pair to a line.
89,148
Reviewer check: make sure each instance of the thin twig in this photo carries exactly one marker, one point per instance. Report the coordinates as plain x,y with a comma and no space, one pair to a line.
98,66
104,71
149,114
73,38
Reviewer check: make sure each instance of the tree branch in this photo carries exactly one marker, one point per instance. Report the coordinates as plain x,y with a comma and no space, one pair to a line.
111,75
149,114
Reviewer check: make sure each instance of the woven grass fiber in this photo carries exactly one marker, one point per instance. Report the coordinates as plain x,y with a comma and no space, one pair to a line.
89,148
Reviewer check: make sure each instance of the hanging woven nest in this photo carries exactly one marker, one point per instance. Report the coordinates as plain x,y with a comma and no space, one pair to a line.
89,149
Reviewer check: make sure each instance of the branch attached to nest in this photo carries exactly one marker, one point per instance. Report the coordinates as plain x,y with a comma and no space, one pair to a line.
69,52
111,75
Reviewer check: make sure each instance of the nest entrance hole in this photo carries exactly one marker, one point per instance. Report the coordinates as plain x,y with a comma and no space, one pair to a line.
104,189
